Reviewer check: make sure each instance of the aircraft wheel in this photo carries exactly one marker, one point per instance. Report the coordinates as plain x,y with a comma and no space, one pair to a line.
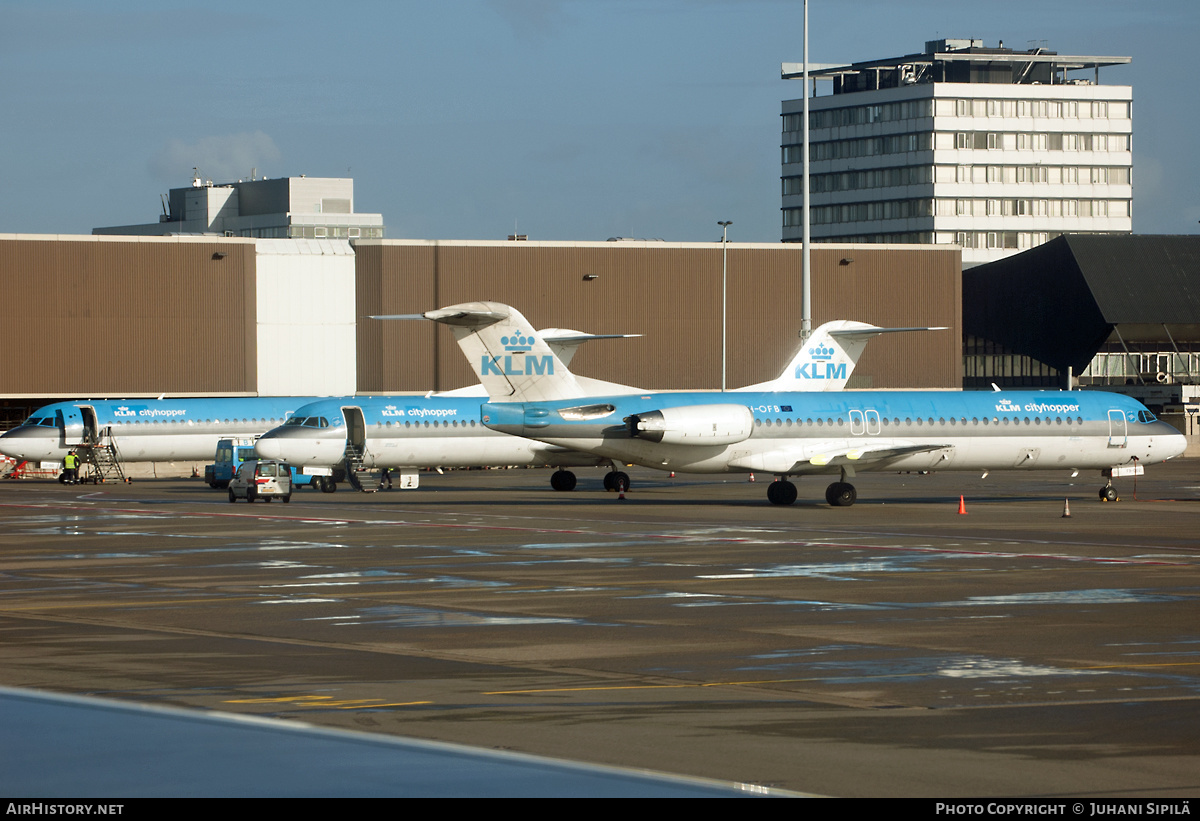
1109,494
841,494
562,480
781,492
620,481
232,498
608,480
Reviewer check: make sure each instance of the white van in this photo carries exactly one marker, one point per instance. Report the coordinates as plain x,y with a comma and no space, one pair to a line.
261,478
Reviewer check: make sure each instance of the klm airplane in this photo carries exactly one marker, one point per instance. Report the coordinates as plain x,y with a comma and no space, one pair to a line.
445,430
146,430
155,430
789,433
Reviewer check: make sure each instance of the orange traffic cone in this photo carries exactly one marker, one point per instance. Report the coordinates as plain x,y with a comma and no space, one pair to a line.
751,477
1066,509
962,506
672,474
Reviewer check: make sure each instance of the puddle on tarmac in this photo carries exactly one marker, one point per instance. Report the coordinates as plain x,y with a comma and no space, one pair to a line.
402,616
745,601
679,596
355,574
350,580
823,663
1095,596
839,571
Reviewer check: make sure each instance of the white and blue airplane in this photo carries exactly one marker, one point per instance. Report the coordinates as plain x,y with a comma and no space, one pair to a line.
444,430
146,430
183,429
788,433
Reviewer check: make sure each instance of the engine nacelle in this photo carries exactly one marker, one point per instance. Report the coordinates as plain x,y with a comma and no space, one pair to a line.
694,425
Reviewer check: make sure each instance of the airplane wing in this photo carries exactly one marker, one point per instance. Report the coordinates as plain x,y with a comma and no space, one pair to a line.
819,457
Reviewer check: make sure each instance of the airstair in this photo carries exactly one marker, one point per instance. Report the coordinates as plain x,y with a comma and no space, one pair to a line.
361,478
99,452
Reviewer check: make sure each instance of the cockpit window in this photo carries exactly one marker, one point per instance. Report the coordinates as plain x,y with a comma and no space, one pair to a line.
1145,416
307,422
40,421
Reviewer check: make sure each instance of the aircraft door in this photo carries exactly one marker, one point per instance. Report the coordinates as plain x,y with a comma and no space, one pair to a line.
857,426
1118,431
89,429
356,429
864,422
873,426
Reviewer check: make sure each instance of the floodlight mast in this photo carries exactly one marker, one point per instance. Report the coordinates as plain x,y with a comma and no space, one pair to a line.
806,269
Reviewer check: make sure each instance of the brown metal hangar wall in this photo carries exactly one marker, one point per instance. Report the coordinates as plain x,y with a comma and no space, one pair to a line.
671,294
99,316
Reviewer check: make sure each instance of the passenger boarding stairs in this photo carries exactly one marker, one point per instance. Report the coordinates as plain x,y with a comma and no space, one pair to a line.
360,478
100,452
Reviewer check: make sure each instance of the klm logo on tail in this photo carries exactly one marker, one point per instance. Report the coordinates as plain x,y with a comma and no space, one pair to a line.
821,367
517,362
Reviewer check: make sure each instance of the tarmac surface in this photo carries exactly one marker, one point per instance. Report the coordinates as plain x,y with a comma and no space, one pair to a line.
893,648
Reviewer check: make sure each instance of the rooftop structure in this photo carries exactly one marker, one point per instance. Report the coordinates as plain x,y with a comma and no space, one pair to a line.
286,207
992,149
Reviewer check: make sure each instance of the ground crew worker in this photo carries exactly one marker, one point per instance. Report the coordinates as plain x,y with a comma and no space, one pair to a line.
71,468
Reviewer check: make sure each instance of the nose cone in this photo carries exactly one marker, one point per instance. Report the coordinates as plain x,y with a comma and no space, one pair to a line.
31,443
301,446
1170,440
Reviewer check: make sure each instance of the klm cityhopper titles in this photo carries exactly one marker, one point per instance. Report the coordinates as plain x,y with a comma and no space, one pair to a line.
146,430
405,432
792,434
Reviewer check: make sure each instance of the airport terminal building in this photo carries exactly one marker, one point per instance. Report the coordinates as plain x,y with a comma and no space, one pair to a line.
991,149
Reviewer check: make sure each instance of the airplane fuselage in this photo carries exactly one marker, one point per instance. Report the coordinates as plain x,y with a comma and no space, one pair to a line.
405,431
801,433
147,430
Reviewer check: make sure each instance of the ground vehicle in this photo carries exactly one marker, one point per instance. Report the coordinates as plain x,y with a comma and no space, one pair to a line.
231,453
264,479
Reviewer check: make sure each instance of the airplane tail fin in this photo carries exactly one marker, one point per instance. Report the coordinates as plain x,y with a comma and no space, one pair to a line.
511,361
827,359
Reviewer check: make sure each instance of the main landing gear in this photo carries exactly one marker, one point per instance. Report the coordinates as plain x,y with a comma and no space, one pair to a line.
841,494
617,480
838,494
562,480
781,492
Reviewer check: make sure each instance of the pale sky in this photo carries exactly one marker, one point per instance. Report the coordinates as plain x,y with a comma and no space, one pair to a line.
467,119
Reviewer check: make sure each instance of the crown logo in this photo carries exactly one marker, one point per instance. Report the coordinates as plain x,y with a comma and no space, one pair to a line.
821,353
517,343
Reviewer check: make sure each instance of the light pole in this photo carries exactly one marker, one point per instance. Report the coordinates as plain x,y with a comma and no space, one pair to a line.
724,279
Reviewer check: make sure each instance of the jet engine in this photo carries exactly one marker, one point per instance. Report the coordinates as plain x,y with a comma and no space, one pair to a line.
693,425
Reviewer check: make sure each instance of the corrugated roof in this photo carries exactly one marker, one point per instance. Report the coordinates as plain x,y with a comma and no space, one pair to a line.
1059,302
1141,279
